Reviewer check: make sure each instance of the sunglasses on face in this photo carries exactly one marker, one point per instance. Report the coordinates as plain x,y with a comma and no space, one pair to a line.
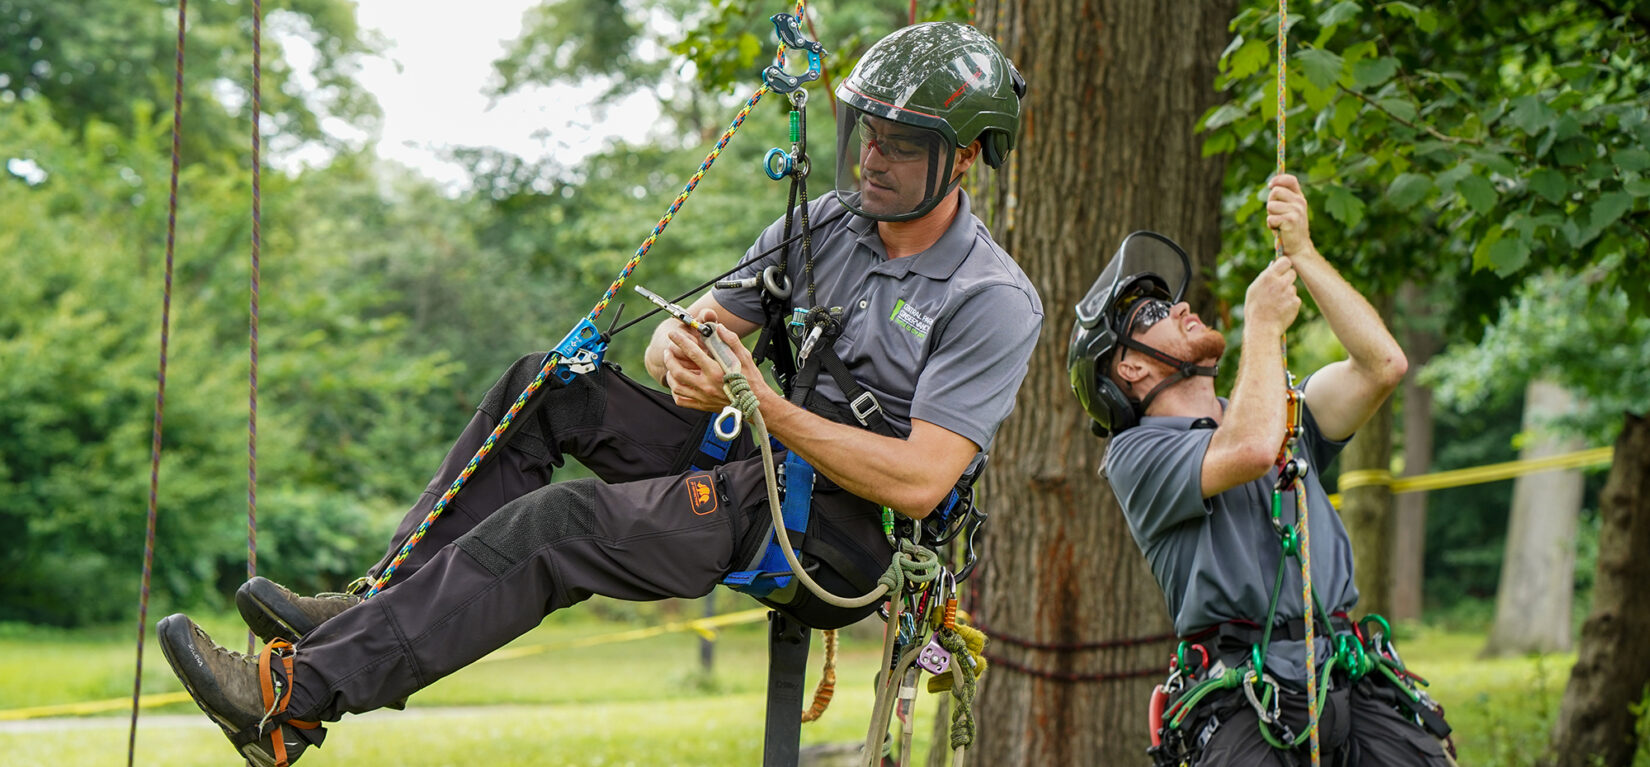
1142,314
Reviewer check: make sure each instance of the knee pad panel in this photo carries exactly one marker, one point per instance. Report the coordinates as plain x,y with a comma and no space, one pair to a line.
525,525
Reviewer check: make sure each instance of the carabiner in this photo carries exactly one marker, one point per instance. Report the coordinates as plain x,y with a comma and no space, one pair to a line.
789,31
722,430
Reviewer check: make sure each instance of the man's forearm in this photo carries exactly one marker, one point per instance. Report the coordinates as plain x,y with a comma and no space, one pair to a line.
883,470
1255,417
1350,316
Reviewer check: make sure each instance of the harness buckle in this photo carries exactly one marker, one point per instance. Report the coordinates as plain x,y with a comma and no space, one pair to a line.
864,406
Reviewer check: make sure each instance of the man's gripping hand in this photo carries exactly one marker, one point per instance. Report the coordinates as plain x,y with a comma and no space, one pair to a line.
1286,213
1272,302
693,373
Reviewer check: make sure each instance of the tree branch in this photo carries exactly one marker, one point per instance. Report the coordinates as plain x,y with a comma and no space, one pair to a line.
1431,131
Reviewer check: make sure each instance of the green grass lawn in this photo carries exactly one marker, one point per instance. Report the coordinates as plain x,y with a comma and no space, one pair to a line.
643,702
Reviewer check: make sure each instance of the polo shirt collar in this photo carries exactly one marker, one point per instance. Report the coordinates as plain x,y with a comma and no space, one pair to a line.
940,260
1176,422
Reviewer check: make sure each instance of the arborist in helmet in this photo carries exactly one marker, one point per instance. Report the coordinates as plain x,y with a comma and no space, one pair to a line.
923,324
1195,474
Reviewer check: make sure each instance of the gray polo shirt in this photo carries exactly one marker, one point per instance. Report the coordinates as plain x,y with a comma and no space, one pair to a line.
944,335
1216,558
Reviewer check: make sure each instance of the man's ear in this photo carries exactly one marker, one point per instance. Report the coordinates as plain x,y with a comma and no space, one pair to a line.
965,159
1131,371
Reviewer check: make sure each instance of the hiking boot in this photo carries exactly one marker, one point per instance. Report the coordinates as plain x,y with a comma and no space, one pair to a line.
273,612
226,685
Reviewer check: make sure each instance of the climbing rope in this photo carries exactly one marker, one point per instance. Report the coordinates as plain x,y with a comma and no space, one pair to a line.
553,359
1302,521
160,386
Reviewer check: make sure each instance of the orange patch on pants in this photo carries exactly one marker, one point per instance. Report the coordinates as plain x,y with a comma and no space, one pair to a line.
701,494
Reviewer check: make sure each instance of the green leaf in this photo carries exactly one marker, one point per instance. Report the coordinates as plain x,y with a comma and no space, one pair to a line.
1339,13
1481,253
1407,190
1550,184
1401,10
1479,193
1492,157
1344,206
1530,114
1322,67
1249,59
1638,187
1224,114
1372,72
1399,108
1609,208
1508,255
1449,178
1346,111
1576,151
1427,20
1631,159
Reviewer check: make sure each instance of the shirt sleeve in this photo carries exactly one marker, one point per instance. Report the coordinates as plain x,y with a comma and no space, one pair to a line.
979,359
1157,475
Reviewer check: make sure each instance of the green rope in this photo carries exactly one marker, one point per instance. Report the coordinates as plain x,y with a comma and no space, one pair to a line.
962,710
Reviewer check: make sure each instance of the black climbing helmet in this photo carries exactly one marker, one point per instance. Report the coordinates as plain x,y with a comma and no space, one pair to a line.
1146,266
914,97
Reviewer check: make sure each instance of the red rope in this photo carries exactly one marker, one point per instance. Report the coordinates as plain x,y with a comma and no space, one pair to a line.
1068,676
252,389
160,386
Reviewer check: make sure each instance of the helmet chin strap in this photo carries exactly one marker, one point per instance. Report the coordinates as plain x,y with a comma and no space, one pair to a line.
1183,371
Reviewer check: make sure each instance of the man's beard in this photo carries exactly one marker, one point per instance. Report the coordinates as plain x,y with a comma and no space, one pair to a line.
1206,347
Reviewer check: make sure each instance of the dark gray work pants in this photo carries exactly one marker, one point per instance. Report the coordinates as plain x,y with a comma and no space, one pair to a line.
1359,726
511,547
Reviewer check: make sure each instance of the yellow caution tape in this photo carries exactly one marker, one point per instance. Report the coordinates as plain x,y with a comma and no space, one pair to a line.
705,627
92,707
1474,475
700,625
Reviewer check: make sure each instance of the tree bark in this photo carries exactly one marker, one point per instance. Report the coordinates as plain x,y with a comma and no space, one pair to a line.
1366,510
1409,535
1107,146
1613,666
1532,602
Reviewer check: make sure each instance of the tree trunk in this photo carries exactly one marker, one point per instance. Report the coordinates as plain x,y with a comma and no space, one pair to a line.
1409,536
1107,147
1366,511
1613,666
1532,602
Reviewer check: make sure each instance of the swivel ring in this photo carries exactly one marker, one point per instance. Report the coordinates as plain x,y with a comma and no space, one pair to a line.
782,168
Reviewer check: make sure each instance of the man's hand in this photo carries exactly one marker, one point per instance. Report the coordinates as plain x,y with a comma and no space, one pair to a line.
693,373
1271,304
1286,213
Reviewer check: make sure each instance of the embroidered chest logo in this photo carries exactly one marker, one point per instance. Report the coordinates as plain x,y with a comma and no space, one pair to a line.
701,494
912,321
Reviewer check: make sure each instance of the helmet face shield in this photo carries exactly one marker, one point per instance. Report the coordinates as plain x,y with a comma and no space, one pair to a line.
890,171
1144,258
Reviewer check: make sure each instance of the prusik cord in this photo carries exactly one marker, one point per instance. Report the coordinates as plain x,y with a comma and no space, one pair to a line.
552,359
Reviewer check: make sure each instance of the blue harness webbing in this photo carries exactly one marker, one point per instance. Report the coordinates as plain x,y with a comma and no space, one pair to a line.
769,571
711,448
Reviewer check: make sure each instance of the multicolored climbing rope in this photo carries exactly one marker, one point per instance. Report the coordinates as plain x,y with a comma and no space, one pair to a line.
552,359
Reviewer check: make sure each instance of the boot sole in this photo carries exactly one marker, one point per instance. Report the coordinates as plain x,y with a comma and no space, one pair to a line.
253,599
174,629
